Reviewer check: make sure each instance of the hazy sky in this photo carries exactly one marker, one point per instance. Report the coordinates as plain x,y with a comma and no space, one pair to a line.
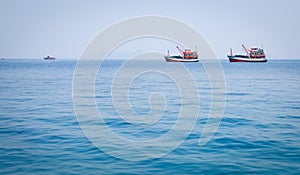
35,28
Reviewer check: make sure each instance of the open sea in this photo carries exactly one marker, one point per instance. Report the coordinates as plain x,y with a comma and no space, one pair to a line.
40,132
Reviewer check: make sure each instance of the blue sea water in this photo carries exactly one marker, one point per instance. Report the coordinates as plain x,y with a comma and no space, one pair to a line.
258,134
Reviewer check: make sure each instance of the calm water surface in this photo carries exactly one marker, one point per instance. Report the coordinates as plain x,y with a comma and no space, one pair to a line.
259,133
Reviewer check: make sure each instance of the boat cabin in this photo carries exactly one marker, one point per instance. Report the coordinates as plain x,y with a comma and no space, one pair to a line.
188,54
257,53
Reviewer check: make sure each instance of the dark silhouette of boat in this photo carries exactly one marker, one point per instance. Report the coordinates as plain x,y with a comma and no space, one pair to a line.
49,58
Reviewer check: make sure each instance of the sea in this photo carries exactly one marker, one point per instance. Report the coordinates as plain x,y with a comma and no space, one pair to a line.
120,117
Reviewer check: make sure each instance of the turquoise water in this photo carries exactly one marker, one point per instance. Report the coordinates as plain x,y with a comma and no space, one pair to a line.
259,132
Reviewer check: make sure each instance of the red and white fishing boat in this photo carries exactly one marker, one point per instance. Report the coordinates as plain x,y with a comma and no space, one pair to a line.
185,56
254,54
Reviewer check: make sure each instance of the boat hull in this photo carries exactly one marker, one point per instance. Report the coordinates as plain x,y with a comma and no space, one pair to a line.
179,59
246,59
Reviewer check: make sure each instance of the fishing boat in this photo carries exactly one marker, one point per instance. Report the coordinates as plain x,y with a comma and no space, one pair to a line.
49,58
253,54
185,56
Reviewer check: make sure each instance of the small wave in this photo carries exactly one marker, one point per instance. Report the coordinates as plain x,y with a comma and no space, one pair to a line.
238,94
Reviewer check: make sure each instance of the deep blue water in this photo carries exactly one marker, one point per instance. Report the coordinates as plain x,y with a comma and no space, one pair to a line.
259,132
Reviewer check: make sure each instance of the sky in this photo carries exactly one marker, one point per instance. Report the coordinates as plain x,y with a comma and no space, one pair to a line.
63,28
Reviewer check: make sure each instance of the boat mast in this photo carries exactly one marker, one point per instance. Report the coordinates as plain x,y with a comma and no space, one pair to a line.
180,50
246,49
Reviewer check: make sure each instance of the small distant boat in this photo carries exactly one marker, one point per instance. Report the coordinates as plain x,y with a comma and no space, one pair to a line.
254,54
186,56
49,58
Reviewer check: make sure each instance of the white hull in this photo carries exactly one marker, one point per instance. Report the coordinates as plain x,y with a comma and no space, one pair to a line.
239,59
172,59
